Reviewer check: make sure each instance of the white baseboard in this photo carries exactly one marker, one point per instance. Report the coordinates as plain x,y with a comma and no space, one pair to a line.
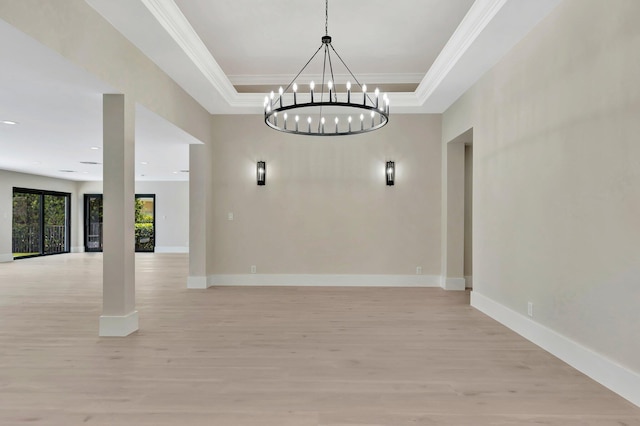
197,283
7,257
77,249
456,284
118,326
468,281
619,379
324,280
171,249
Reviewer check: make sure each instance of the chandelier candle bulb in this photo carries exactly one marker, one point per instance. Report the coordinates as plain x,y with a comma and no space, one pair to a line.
275,118
348,91
349,123
285,121
311,86
361,122
373,117
337,124
309,121
330,84
295,93
297,118
364,94
377,92
280,92
322,122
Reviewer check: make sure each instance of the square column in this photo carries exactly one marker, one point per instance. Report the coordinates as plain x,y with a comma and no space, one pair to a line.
119,317
199,179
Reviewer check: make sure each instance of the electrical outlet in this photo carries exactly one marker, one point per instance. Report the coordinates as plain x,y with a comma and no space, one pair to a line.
230,216
253,269
530,309
418,270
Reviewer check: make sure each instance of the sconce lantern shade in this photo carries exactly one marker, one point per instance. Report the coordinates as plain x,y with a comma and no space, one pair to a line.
390,172
261,172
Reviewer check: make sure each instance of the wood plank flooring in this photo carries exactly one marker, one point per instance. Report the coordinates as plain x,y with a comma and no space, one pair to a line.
280,356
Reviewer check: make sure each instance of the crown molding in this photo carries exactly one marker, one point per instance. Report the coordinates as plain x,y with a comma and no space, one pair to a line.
474,22
275,79
171,18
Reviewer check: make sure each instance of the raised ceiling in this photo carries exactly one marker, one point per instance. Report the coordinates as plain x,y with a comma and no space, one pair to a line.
227,53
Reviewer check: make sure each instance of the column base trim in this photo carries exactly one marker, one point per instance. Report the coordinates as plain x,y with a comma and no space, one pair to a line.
617,378
454,284
118,325
6,257
201,283
324,280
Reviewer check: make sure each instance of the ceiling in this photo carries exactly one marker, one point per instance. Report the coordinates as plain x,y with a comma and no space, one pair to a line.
227,53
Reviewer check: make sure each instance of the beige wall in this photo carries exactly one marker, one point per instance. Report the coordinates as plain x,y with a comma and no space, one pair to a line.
325,208
468,211
557,176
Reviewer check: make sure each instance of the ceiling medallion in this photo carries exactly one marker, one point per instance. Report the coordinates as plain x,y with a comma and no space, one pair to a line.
323,111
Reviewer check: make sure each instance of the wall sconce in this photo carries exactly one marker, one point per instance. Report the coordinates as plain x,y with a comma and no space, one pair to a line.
261,172
391,172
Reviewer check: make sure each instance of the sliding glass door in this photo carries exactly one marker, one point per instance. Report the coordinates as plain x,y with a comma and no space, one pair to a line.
40,222
93,222
145,234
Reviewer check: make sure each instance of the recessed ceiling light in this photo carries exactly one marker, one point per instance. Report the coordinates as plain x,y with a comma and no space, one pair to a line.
8,122
67,171
144,163
95,148
93,163
184,171
175,173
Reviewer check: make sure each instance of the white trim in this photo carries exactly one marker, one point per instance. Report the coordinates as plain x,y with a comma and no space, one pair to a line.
324,280
171,249
455,284
77,249
6,257
178,27
468,281
619,379
200,283
118,325
273,79
474,22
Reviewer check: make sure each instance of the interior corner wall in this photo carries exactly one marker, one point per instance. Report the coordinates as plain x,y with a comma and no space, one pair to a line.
325,208
557,178
9,180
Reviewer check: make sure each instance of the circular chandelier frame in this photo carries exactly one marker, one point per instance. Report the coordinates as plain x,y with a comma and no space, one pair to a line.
284,113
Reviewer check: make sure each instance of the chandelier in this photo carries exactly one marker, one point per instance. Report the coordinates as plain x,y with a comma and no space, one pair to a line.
323,110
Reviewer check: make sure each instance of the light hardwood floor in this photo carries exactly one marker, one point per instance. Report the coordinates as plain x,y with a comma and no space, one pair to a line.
278,356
